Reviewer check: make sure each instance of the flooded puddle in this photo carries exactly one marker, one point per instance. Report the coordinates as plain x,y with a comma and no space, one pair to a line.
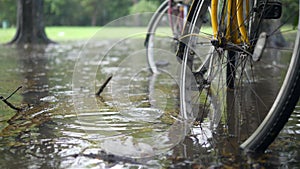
133,124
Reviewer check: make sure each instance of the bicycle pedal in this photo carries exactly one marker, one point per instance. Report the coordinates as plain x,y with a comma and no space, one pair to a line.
270,9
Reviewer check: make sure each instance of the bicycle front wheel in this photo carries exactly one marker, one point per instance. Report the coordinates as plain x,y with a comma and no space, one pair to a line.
245,91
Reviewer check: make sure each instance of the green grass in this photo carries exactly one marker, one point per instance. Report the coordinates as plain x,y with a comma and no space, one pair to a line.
70,33
65,34
6,34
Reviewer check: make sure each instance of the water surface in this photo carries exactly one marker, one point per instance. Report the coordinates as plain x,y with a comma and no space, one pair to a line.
65,126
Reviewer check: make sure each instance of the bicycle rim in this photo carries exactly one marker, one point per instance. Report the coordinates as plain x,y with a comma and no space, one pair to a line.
265,91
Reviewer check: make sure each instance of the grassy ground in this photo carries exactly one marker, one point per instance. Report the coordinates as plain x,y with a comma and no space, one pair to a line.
6,34
64,34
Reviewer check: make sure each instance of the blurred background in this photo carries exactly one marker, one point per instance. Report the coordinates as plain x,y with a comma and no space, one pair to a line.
80,12
65,20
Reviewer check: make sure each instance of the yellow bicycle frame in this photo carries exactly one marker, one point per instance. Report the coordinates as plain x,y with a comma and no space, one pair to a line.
235,28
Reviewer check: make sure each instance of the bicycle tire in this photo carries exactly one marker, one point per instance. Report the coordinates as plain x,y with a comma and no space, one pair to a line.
274,112
282,108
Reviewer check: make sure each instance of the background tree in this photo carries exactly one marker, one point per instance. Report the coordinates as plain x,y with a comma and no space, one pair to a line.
30,25
81,12
8,11
65,12
93,8
112,10
140,7
144,6
84,12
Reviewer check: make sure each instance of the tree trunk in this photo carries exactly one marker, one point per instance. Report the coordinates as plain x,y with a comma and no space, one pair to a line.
94,17
137,20
30,25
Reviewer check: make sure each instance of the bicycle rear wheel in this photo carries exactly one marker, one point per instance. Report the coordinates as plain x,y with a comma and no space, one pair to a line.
163,32
265,92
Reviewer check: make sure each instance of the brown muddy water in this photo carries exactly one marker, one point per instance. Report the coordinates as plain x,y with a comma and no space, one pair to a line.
66,126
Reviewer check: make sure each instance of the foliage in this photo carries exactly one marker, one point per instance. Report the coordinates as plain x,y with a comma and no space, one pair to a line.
81,12
66,12
291,7
8,11
144,6
84,12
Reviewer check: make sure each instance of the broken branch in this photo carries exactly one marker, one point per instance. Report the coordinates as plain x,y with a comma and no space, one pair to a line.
8,103
104,85
14,92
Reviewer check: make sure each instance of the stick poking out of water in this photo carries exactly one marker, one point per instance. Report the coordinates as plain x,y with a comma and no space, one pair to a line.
104,85
8,103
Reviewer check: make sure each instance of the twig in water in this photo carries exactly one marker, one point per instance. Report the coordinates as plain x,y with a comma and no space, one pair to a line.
8,103
104,85
14,92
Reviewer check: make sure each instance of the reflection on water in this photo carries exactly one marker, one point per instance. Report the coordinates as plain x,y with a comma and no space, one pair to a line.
134,120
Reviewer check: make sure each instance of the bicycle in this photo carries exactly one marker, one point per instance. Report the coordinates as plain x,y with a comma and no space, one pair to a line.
164,29
227,56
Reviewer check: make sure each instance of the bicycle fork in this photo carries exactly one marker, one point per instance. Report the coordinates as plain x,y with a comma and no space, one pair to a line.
235,21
